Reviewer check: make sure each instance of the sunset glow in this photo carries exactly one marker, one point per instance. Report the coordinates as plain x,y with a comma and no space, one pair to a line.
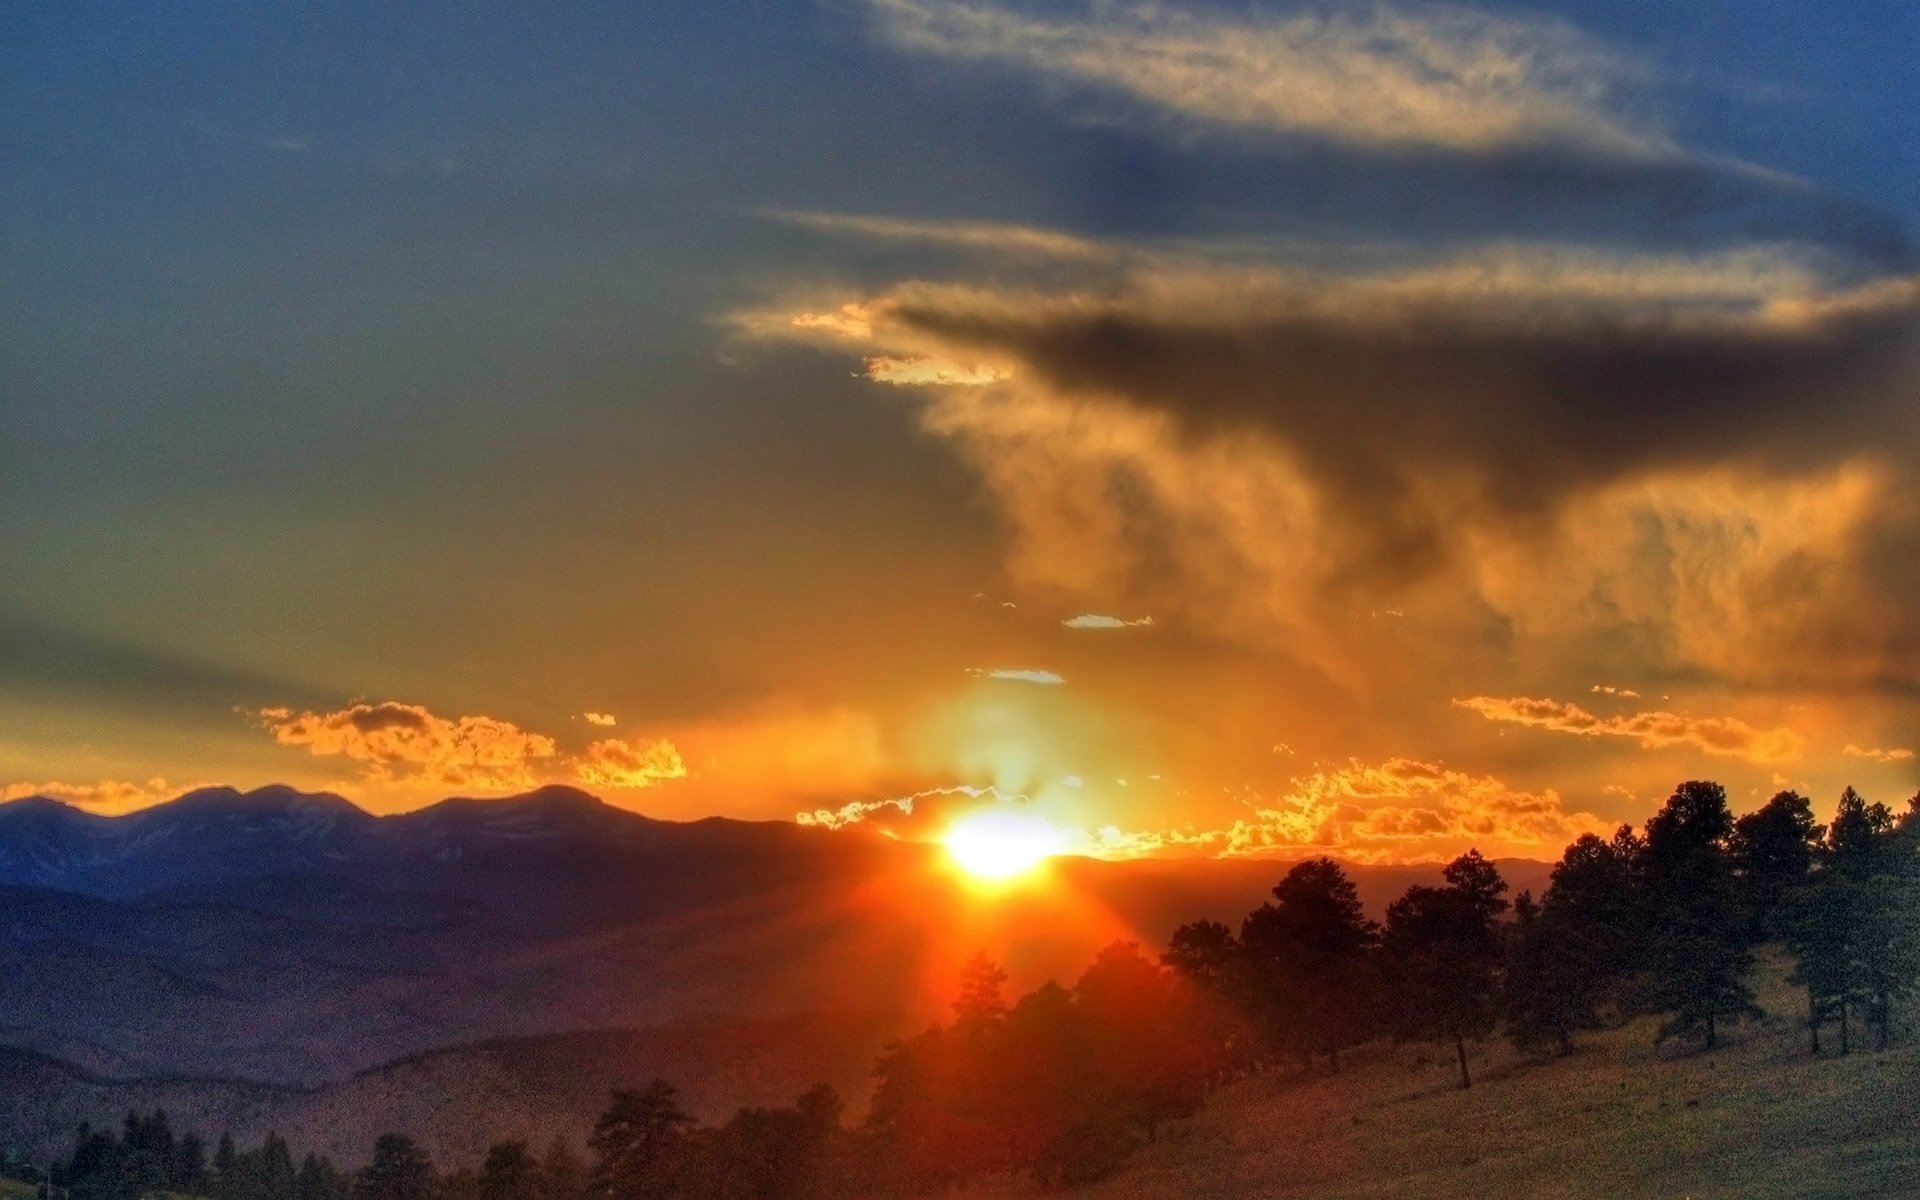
998,844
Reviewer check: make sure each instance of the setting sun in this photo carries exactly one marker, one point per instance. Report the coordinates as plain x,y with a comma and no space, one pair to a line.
999,843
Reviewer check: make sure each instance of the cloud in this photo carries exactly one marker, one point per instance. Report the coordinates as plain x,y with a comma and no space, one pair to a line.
1879,755
1017,675
1378,76
406,743
108,796
1396,810
930,372
1102,621
1709,454
598,718
1601,689
988,236
922,811
1725,736
616,763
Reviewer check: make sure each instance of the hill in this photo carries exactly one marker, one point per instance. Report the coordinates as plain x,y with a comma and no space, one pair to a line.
1758,1118
457,1101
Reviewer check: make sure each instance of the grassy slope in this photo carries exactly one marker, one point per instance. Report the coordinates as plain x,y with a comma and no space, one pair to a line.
1757,1118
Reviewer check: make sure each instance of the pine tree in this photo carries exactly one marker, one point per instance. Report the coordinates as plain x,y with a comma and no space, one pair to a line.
1309,952
1443,956
639,1142
1701,957
399,1171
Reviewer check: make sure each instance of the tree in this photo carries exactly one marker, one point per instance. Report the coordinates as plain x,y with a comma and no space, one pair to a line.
1773,850
1308,951
1700,954
319,1179
638,1143
1214,965
1545,996
400,1170
1140,1030
1852,927
227,1184
1443,956
563,1174
509,1172
274,1175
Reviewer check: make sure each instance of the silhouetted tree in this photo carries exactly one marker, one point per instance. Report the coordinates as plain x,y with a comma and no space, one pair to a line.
638,1143
1853,926
1144,1048
1213,963
509,1172
399,1170
1773,850
1308,951
1443,956
1700,954
227,1184
319,1179
563,1173
274,1174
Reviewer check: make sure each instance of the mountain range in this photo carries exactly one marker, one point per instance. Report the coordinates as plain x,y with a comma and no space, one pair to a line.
280,959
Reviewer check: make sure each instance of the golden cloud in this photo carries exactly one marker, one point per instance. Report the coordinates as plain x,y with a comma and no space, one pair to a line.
1879,754
1397,810
111,797
616,763
1725,736
406,743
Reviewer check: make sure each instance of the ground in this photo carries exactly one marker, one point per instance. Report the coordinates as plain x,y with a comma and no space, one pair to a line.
1759,1117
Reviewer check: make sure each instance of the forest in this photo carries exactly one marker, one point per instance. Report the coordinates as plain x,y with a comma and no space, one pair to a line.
1061,1084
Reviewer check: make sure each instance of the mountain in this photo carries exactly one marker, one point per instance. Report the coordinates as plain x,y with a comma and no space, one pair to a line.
289,944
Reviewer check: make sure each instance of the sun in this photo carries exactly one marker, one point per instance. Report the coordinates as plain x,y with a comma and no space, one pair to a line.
997,844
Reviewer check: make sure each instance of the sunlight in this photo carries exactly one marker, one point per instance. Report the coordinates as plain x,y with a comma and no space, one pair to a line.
995,844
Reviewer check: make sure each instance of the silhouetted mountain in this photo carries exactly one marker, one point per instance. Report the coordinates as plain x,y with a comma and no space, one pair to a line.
292,940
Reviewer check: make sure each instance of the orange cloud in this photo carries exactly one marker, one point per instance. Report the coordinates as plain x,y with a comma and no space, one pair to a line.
1399,810
614,763
922,371
1877,754
406,743
110,796
1725,736
598,718
1103,621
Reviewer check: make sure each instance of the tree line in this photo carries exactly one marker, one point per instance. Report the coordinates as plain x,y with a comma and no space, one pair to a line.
1063,1083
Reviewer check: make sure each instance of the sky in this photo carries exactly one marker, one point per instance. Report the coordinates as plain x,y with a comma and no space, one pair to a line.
1219,429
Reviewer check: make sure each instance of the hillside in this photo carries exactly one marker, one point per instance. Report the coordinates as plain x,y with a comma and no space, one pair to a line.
458,1101
1758,1118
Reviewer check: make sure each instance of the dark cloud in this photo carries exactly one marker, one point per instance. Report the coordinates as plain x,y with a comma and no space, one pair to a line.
1521,408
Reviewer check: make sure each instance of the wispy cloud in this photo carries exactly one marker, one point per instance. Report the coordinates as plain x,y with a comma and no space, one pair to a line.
1017,675
987,236
1879,754
1725,736
1102,621
923,371
1375,75
598,718
1601,689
